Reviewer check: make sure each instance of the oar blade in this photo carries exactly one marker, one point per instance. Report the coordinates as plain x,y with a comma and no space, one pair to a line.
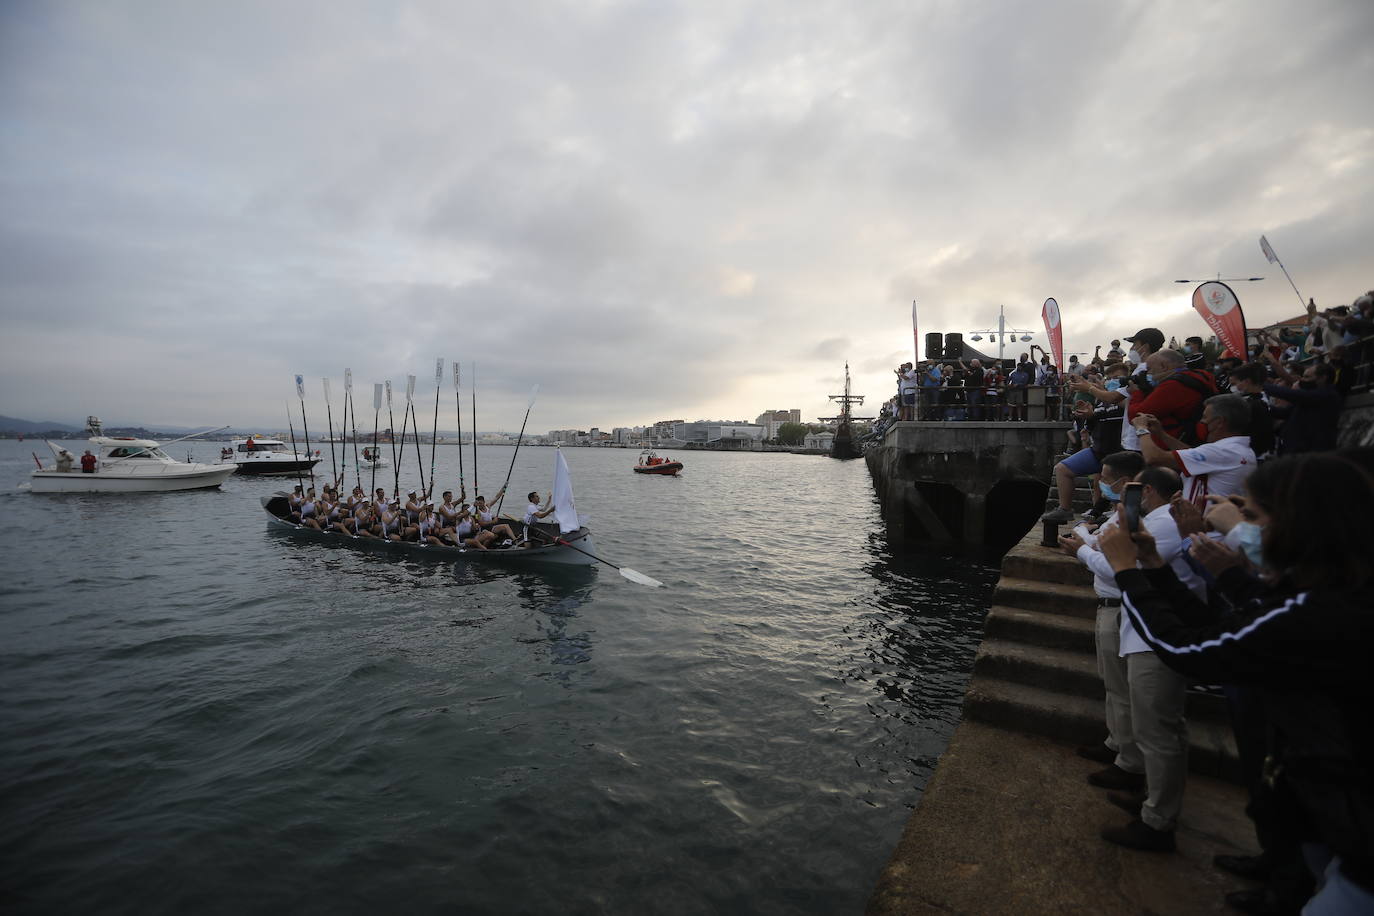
639,577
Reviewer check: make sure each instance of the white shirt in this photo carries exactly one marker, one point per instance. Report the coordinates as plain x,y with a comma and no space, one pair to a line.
1164,530
531,513
1217,468
1130,436
909,382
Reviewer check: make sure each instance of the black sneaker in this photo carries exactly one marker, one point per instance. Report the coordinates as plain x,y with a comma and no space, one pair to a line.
1139,835
1113,777
1097,753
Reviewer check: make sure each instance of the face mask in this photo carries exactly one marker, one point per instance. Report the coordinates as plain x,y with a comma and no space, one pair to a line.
1248,538
1113,384
1133,356
1107,491
1187,348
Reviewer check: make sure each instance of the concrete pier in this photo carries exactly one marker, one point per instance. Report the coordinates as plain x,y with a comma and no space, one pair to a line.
1008,823
975,484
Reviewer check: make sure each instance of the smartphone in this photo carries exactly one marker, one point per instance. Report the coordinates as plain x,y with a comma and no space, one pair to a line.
1130,499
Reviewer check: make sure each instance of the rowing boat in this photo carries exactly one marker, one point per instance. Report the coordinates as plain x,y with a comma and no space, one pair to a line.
277,508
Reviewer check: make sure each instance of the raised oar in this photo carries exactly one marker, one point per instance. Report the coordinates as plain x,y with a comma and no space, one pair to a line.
305,429
291,426
376,411
419,462
625,571
534,392
348,402
329,412
395,465
434,436
475,491
405,425
458,403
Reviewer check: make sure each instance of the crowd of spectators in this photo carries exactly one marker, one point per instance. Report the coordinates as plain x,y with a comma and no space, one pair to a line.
1225,548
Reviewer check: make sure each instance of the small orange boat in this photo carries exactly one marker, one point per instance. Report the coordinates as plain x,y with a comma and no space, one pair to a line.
650,463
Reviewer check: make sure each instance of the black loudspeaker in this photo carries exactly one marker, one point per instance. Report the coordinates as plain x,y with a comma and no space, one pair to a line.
954,346
934,347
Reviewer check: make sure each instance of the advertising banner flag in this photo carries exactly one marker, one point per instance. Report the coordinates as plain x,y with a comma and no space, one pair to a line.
377,396
1054,329
388,394
348,381
1217,304
915,335
457,376
438,371
410,388
300,388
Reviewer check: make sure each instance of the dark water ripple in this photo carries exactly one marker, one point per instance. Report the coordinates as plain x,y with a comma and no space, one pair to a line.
198,715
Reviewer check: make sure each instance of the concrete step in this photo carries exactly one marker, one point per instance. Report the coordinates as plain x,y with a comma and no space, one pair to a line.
1075,719
1036,628
1047,564
1069,671
1052,597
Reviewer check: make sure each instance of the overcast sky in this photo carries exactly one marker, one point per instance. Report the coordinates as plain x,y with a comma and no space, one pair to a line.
655,210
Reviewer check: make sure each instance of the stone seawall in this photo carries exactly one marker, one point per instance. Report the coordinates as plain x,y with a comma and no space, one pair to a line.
1008,823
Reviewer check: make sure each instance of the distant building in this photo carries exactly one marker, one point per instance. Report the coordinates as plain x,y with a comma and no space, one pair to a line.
711,432
824,439
770,420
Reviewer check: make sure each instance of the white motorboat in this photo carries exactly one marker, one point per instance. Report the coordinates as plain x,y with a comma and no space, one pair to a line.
123,465
373,458
260,455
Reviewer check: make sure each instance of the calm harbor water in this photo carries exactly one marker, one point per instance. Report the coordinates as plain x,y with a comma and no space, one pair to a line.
197,715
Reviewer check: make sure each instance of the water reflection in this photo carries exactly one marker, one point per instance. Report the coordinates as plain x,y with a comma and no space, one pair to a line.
556,595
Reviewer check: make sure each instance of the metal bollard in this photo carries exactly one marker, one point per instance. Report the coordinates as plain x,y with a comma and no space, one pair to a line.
1050,534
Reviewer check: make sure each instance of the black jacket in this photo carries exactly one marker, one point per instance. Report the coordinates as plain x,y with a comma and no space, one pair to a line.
1311,425
1309,654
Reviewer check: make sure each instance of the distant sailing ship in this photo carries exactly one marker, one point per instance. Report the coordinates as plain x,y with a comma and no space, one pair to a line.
843,445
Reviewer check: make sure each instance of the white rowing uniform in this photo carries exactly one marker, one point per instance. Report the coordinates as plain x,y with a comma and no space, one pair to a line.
449,512
531,513
464,528
308,509
487,516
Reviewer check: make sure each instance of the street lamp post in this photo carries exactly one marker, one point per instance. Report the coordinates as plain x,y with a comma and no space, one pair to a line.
1001,331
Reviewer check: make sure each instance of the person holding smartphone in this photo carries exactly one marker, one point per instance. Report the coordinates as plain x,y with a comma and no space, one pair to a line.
1149,727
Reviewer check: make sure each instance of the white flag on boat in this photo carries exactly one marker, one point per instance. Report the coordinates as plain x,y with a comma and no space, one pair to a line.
564,509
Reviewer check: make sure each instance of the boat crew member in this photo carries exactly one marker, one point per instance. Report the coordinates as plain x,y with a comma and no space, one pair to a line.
88,463
487,519
470,533
64,461
533,512
427,529
413,507
310,508
449,514
389,523
294,501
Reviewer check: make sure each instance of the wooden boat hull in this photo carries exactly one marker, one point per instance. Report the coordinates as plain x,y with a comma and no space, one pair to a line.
275,507
669,469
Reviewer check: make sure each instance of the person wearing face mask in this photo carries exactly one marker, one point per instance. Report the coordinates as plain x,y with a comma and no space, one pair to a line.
1219,465
1314,411
1299,640
1193,356
1175,397
1248,382
1104,424
1149,729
